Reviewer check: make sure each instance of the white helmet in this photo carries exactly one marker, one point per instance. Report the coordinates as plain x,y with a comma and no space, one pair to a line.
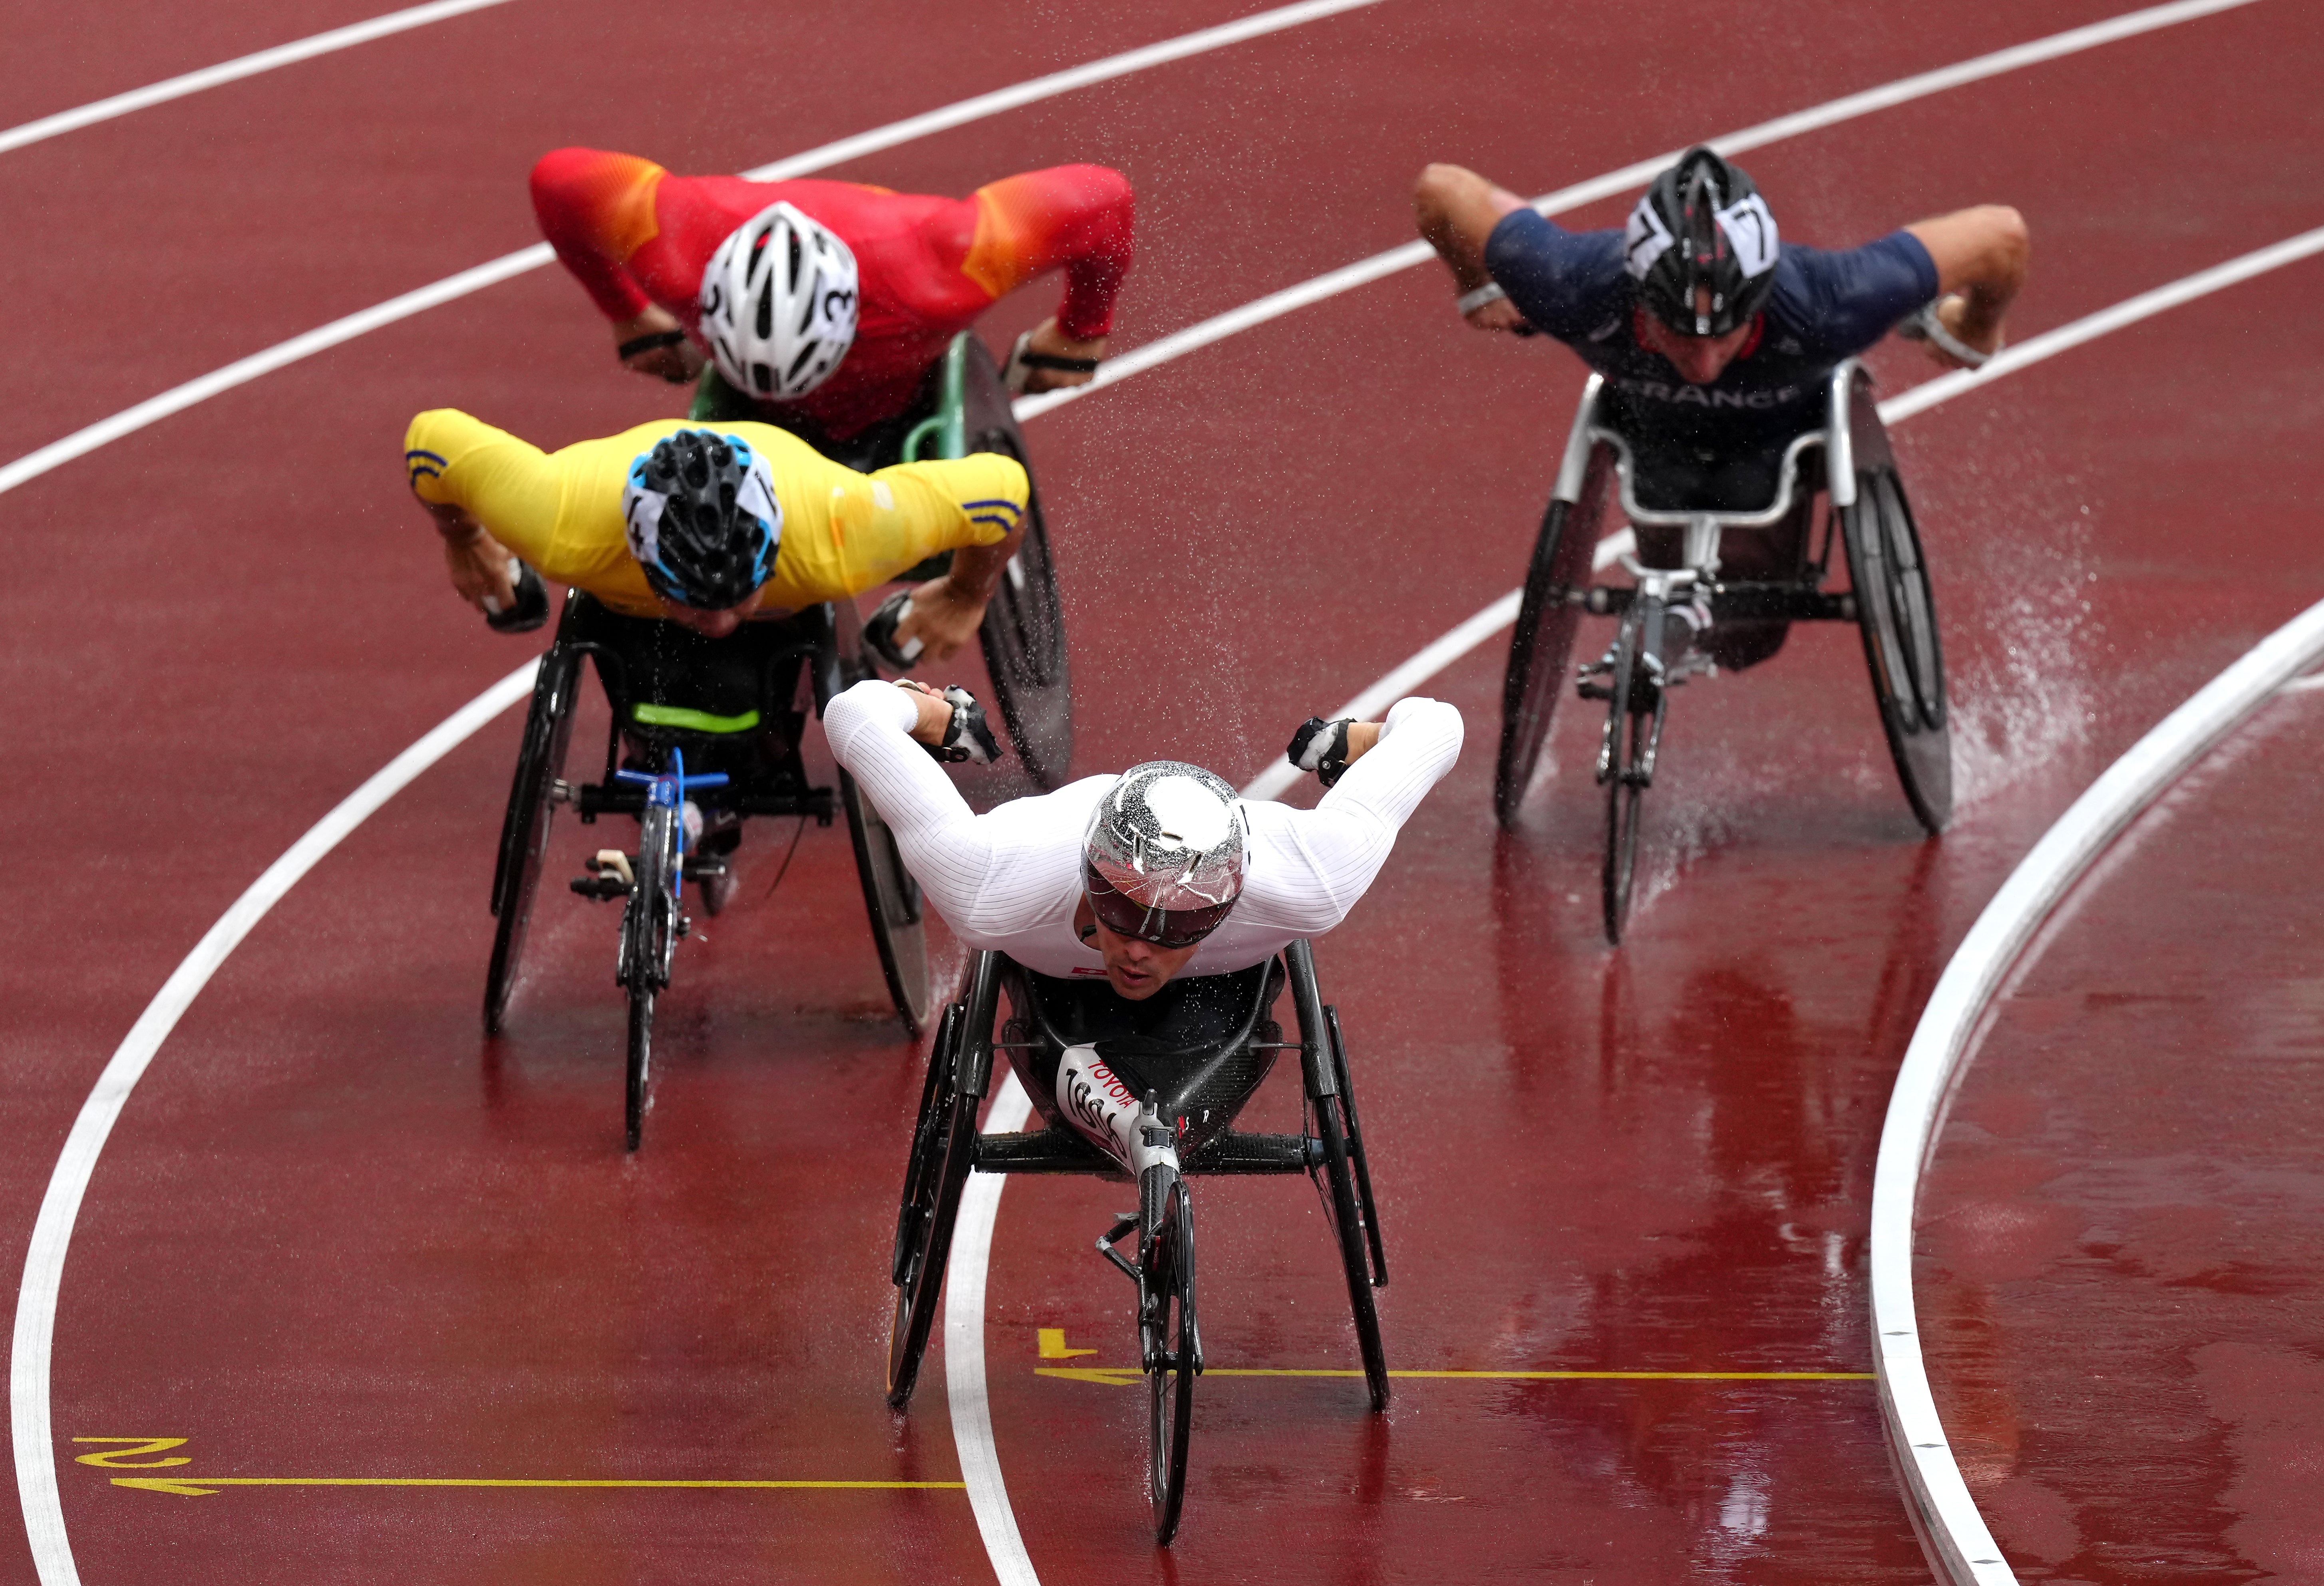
779,304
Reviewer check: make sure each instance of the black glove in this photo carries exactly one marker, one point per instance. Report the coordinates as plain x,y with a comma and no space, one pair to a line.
1322,747
880,634
969,737
531,607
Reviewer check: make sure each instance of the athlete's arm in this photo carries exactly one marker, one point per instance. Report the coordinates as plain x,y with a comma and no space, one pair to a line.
1082,217
946,612
1981,256
1456,210
595,209
489,493
1333,850
945,845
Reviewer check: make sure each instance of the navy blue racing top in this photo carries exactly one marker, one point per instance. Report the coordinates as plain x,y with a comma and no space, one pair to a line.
1826,305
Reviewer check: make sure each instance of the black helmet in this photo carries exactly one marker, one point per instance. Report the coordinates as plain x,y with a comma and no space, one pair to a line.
701,518
1701,225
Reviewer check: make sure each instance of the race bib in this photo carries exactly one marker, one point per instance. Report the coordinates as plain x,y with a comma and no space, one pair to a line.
1094,1098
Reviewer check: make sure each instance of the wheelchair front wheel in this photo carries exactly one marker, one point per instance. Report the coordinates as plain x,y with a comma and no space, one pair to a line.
1173,1350
1896,612
1619,755
525,827
891,900
649,942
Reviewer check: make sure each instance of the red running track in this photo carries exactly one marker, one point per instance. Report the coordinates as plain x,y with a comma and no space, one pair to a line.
336,1235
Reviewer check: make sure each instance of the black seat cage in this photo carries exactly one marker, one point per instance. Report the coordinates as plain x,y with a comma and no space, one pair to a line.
780,788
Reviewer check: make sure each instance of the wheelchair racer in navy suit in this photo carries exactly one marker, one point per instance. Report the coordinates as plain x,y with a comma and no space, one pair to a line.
1715,337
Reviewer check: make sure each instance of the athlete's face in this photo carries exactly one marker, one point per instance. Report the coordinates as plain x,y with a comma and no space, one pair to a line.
1699,359
1136,970
712,624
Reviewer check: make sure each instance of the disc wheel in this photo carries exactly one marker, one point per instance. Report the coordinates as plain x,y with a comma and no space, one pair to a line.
1173,1346
649,939
1896,612
1541,650
943,1139
891,900
524,829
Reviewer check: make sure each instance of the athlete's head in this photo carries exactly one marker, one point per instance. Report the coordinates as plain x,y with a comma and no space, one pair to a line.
703,522
778,304
1700,250
1162,865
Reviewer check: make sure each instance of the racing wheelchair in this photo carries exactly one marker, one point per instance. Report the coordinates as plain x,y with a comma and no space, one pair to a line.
1187,1059
961,408
713,725
1850,461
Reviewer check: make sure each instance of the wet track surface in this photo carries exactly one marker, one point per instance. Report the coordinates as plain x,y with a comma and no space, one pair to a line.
337,1234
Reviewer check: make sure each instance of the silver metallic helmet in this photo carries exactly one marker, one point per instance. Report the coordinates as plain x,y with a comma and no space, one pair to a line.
1163,857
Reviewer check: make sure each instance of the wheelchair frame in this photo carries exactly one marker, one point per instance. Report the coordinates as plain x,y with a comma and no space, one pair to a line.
1890,602
946,1148
806,649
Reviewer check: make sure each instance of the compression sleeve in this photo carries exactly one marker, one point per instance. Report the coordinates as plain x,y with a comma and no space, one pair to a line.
1564,283
595,209
508,484
1079,217
874,526
1319,862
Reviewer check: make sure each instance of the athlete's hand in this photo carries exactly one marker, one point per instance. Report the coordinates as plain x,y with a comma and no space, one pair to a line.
678,361
942,616
1953,313
951,725
936,711
481,568
1053,343
1501,315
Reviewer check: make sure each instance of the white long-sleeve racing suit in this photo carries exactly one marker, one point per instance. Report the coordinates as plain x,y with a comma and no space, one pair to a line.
1011,879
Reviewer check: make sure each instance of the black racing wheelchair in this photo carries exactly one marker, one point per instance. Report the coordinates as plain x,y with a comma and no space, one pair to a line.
1194,1052
715,723
1849,461
962,407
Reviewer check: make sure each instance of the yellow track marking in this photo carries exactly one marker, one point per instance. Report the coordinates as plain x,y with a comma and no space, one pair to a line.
189,1486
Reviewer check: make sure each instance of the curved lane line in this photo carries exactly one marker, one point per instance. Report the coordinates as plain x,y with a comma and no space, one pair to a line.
964,1386
242,66
44,1263
81,442
1940,1051
1271,782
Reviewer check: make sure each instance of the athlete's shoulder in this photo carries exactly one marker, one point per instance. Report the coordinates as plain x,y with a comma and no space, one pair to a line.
1844,300
1565,282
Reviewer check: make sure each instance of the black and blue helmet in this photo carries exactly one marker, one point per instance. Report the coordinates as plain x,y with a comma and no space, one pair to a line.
701,516
1701,227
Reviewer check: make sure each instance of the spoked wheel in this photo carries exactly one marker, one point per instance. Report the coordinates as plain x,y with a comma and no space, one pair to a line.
1024,631
1356,1158
943,1154
1348,1226
524,830
1542,648
892,900
1896,615
1173,1348
649,942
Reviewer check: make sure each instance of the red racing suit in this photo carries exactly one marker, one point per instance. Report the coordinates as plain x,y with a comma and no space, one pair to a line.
633,233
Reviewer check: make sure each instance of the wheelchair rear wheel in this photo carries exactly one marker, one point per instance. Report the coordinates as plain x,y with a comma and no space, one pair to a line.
1173,1350
892,900
1543,644
1895,612
944,1144
524,829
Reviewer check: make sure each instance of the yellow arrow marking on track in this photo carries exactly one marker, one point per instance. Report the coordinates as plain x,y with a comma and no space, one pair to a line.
207,1485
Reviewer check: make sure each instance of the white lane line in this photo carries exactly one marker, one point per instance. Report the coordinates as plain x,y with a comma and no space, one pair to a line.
1939,1049
243,371
965,1382
243,66
2305,685
1349,277
44,1263
1460,641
